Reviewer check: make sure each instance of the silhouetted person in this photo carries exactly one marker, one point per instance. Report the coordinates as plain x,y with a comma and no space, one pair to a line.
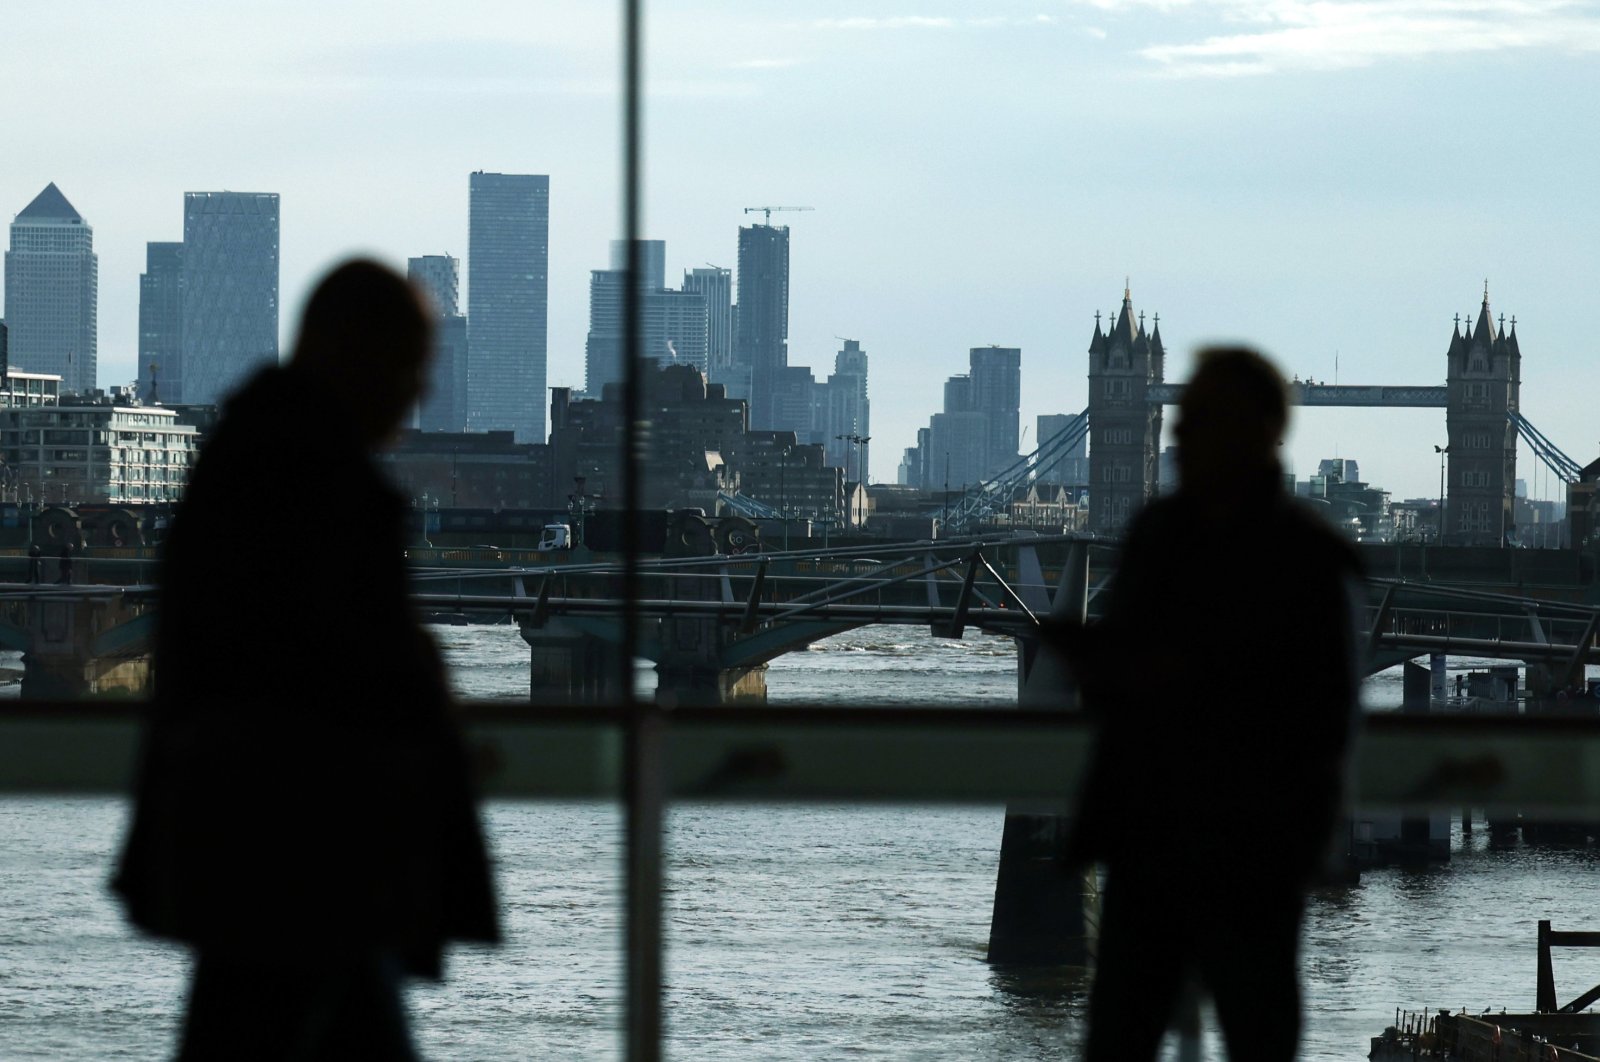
1223,678
66,564
35,563
305,818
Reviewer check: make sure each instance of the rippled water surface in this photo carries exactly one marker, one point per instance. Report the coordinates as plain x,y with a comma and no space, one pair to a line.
810,932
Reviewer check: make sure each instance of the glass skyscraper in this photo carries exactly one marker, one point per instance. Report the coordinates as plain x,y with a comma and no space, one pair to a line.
716,284
761,321
161,322
230,292
444,407
508,259
52,291
672,326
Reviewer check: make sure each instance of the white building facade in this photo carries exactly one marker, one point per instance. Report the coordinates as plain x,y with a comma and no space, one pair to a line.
93,453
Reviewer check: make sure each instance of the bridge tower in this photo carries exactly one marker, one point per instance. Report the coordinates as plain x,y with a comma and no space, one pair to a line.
1124,427
1483,384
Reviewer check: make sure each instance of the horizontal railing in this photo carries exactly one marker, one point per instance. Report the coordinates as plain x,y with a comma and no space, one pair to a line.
1538,766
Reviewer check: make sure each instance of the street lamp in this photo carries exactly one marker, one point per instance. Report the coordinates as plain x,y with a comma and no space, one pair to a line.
783,493
1441,451
578,506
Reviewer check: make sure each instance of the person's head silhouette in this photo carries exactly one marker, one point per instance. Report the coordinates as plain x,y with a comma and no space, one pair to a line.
365,337
1231,421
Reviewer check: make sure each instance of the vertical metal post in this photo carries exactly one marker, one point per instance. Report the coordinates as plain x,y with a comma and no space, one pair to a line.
643,783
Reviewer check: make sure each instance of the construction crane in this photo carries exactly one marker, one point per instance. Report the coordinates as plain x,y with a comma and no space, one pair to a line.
766,212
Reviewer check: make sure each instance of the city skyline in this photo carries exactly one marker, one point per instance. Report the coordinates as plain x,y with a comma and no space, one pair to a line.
1286,174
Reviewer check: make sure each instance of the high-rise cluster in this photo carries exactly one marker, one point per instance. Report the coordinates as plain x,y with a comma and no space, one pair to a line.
742,347
976,436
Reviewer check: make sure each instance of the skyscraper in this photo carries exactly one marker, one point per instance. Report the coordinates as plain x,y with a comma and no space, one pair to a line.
1069,469
672,327
508,260
761,322
230,292
716,284
52,291
847,411
161,322
996,374
444,407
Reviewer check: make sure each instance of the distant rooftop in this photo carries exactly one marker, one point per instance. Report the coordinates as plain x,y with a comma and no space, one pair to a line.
50,205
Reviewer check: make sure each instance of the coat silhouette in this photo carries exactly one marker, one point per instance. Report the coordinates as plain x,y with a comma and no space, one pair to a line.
1223,678
304,796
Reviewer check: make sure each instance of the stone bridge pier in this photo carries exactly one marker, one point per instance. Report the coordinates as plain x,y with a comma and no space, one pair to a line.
1043,915
80,646
690,668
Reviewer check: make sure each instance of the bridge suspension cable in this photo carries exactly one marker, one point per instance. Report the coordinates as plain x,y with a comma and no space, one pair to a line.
744,505
1565,468
990,495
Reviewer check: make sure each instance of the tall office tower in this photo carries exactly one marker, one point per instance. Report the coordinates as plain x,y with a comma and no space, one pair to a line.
672,326
444,406
1125,428
1067,469
996,374
440,276
847,411
1483,382
161,322
761,323
5,350
52,291
508,299
716,284
230,293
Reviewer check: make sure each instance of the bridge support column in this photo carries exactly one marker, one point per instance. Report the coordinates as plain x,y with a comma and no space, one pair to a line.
84,647
690,669
1043,915
568,666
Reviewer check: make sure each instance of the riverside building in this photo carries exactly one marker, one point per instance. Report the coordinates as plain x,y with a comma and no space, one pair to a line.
79,450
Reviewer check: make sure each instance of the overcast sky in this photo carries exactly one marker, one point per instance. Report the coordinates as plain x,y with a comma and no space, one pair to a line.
1325,179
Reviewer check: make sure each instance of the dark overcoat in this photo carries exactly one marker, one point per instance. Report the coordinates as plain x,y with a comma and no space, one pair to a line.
1224,678
303,788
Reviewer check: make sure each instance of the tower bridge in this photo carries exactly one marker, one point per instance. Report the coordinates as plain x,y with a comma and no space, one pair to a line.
1481,397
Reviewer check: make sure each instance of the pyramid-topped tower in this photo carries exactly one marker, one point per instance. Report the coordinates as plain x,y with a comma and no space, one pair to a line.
52,292
1124,426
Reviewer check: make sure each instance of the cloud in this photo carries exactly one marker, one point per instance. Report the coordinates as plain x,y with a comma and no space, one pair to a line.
930,22
763,64
1297,35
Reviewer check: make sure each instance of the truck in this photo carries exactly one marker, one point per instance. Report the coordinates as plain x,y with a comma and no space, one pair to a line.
555,536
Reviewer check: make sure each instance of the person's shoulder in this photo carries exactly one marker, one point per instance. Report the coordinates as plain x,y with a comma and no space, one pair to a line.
1312,536
1162,515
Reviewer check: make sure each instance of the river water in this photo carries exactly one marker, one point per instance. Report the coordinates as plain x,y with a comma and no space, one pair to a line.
794,932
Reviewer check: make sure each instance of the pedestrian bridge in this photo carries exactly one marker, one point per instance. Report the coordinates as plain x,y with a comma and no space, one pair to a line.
711,624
